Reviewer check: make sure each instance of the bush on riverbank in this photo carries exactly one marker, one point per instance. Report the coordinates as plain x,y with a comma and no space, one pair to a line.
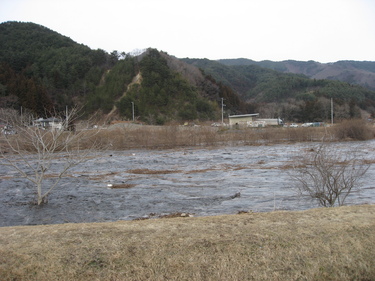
356,129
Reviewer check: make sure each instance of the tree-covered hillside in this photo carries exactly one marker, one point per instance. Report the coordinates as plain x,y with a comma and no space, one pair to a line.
266,85
292,95
161,92
42,71
360,73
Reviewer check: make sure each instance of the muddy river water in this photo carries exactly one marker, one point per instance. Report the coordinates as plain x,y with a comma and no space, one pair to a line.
153,183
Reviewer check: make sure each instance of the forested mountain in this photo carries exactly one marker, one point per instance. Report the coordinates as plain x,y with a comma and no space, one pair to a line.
354,72
41,70
289,95
162,90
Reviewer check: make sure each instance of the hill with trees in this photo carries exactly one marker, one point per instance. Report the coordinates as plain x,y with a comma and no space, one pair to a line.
360,73
294,97
162,89
41,70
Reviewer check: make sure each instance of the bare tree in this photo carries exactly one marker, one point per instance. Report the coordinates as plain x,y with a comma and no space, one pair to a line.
328,175
38,153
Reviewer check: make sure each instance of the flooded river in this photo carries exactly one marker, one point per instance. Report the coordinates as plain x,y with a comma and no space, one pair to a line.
127,185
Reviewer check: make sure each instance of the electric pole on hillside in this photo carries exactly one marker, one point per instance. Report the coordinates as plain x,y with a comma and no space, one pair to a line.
331,111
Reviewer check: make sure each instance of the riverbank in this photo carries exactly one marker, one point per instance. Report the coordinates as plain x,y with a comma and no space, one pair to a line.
317,244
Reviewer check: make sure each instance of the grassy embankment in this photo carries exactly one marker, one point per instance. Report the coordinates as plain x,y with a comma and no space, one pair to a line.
319,244
151,137
122,136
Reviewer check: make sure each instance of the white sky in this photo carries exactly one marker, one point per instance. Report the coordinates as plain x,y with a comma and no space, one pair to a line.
320,30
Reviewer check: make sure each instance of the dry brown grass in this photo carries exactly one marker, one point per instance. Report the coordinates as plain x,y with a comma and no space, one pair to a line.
152,172
123,185
178,136
354,129
319,244
199,171
165,137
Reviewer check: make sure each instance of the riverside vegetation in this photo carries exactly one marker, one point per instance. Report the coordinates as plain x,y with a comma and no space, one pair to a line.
125,135
120,136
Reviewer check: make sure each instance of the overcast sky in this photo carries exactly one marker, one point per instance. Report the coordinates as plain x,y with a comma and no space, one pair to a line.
320,30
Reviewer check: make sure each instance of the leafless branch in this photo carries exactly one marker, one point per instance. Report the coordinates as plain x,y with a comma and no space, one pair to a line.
32,151
328,175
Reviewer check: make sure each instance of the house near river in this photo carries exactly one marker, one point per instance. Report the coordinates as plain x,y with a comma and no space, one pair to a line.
48,123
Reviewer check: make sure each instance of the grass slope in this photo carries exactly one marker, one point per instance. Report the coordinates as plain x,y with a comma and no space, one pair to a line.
318,244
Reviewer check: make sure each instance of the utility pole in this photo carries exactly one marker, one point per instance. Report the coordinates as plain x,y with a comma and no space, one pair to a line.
67,118
133,110
331,111
222,111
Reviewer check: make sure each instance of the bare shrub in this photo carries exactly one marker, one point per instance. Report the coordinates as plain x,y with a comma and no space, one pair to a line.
39,153
355,129
328,175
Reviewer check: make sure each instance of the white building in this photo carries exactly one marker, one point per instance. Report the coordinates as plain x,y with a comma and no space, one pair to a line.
49,123
242,120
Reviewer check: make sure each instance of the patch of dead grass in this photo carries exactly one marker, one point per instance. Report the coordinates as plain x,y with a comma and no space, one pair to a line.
98,176
239,167
176,215
123,185
200,171
319,244
369,161
152,172
291,166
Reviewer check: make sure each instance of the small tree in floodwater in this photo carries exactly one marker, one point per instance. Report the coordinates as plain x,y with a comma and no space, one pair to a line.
328,175
38,153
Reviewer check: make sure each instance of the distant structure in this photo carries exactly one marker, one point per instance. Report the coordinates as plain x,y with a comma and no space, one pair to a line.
252,120
242,120
49,123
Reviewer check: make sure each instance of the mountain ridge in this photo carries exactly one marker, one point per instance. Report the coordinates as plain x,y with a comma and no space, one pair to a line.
294,97
41,70
354,72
